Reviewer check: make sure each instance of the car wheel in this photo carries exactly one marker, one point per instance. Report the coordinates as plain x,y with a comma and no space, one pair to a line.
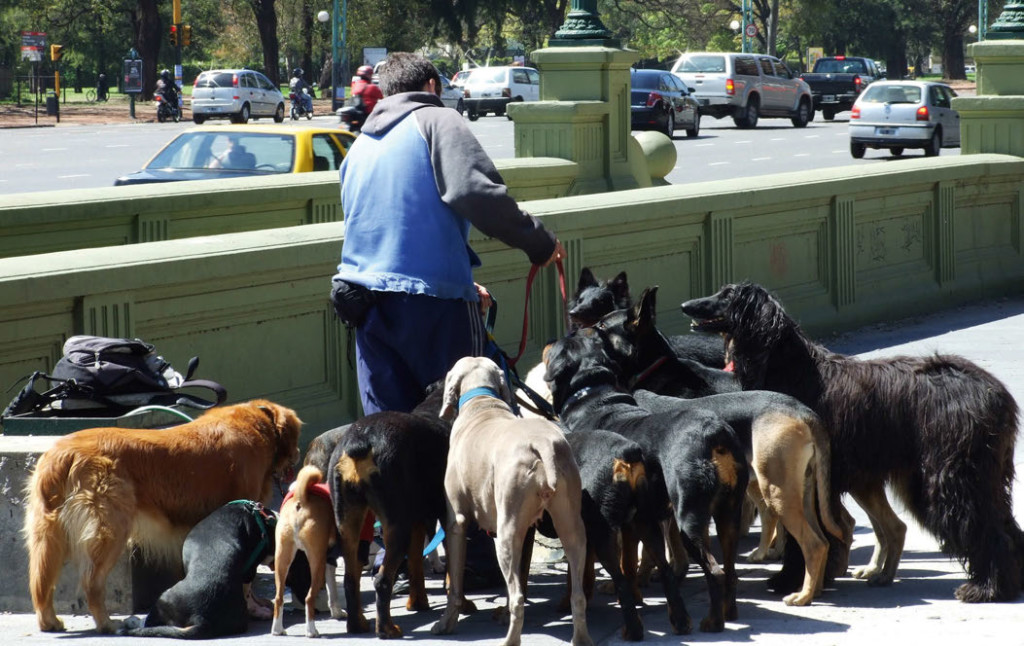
828,113
243,115
857,150
670,124
279,114
695,129
198,119
934,145
473,115
160,116
896,152
750,115
295,113
460,107
803,115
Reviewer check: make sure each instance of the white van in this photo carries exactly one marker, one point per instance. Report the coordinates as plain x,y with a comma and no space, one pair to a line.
491,89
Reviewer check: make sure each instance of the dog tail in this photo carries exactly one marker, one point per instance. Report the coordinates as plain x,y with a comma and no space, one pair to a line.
308,476
823,475
629,468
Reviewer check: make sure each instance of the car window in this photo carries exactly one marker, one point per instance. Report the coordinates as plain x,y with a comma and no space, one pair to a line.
188,150
703,64
881,93
745,66
482,75
781,70
327,154
645,81
265,82
519,76
248,81
215,79
938,97
534,76
665,84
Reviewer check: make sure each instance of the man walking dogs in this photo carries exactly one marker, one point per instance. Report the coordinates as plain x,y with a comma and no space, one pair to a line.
411,185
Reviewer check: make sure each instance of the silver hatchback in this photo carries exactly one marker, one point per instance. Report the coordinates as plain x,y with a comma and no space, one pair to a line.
904,114
236,95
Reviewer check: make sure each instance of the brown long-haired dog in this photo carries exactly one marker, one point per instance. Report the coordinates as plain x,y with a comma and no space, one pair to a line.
306,522
97,489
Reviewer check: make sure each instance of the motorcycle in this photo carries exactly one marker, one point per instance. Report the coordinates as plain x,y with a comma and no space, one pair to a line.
166,110
353,116
298,107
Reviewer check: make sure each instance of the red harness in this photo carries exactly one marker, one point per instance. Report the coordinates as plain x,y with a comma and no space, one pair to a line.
319,489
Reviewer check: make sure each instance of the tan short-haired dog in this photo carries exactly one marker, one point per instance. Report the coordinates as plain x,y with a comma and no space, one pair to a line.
503,473
306,522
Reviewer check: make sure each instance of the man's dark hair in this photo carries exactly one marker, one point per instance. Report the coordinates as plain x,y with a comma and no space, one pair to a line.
405,72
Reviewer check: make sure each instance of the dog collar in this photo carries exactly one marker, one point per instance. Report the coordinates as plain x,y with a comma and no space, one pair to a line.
473,393
264,517
647,372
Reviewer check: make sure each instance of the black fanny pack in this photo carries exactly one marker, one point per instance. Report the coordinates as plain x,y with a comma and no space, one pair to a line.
351,302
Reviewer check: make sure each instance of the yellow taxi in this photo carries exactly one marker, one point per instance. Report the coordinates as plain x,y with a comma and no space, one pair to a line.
220,151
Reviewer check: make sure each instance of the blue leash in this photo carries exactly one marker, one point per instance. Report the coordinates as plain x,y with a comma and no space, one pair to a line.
431,546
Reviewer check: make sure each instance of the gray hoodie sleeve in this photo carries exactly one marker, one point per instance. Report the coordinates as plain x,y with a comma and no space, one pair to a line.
469,183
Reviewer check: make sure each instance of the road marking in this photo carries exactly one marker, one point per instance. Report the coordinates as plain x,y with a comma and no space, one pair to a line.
53,150
778,139
810,136
802,155
718,164
117,145
702,145
71,176
744,141
760,159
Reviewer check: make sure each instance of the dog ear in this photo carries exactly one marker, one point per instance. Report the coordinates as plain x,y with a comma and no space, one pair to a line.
586,280
620,290
450,406
642,314
503,388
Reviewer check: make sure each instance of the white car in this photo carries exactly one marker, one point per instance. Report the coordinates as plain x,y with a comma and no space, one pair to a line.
237,95
904,114
451,96
491,89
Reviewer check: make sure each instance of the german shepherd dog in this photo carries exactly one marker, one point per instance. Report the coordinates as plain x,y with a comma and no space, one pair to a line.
786,445
939,429
593,299
695,456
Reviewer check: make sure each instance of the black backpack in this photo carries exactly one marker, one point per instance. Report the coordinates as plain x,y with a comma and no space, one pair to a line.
106,377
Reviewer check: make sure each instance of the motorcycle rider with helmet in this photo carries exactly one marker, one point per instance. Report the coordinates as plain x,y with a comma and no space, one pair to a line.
364,88
297,85
167,88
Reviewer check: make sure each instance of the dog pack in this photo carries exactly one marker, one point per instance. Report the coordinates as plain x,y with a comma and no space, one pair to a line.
108,376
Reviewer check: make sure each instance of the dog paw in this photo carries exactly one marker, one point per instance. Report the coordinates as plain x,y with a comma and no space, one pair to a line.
441,628
680,621
501,615
131,623
357,625
797,599
313,634
976,593
337,612
53,626
388,631
758,556
634,633
712,624
467,607
865,572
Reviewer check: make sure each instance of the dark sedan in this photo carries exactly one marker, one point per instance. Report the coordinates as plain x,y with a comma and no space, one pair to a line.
660,101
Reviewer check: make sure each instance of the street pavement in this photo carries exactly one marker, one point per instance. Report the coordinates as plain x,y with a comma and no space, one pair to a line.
918,608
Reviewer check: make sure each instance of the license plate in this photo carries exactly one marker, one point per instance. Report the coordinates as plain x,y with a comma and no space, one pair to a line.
828,98
704,101
885,131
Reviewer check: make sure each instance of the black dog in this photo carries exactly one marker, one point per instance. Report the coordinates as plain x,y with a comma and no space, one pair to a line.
939,429
220,556
785,442
392,464
696,456
594,299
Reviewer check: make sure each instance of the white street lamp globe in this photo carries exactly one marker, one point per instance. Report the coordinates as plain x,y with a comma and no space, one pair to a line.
972,29
323,16
734,25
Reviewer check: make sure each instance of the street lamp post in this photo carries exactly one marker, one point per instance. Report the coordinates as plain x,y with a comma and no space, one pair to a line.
745,11
339,26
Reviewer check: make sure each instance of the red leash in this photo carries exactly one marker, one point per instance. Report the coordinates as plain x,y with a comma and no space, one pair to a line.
526,306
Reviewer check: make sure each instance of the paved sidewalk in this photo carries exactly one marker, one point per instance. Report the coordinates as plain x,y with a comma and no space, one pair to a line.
918,608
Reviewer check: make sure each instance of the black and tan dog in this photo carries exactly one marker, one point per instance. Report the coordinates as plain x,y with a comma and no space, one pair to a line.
938,429
220,557
697,457
392,464
786,445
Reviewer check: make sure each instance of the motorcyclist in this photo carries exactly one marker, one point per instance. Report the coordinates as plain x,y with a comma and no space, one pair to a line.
297,85
167,88
364,88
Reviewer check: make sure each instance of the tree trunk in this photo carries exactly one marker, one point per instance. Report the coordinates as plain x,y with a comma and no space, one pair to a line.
953,56
307,41
266,24
148,32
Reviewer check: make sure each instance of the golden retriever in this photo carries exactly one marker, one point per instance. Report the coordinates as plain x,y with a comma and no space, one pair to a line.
97,489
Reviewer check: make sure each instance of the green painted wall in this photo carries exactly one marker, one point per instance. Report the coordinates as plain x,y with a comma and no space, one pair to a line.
841,249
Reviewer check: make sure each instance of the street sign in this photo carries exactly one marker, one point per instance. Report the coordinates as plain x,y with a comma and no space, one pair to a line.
33,44
751,30
132,76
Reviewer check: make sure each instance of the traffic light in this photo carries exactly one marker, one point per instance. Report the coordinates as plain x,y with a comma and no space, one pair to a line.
56,52
174,35
186,35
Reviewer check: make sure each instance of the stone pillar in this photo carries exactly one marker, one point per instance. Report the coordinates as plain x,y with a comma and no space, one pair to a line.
993,121
583,116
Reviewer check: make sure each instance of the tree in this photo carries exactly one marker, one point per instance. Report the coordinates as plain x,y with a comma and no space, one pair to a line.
266,25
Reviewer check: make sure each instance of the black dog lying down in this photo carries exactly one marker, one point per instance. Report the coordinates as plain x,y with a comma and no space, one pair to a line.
695,456
220,556
938,429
